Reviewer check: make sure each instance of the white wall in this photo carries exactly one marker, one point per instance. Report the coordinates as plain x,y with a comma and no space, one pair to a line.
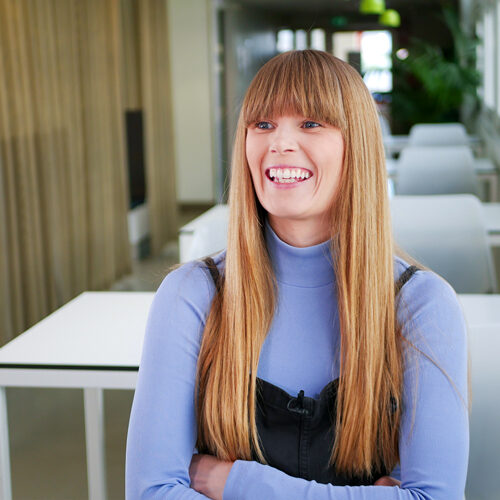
189,26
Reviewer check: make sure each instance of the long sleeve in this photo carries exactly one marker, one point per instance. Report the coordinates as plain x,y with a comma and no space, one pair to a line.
434,436
162,430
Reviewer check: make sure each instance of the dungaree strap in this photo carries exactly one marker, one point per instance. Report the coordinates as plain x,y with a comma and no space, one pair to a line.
403,279
214,272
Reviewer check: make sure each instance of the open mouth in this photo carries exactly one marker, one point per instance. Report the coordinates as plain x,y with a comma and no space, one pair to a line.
288,175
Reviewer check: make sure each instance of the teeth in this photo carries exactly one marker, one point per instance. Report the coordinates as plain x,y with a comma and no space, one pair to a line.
286,175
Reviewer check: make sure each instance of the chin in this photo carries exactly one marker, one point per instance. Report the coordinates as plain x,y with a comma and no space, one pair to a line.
285,211
291,215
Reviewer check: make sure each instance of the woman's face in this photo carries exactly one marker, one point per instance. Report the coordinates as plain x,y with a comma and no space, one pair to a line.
295,163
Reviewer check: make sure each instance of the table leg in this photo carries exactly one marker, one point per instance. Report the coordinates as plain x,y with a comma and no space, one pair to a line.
5,481
94,437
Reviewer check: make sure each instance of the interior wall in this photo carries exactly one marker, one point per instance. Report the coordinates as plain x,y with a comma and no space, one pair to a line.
250,41
189,26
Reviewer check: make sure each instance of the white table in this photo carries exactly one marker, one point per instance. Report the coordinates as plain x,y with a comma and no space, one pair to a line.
93,342
484,167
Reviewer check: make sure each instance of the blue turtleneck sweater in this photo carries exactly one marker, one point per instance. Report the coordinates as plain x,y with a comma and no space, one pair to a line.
300,353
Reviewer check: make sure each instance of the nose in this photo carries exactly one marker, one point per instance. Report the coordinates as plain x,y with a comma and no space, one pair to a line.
283,141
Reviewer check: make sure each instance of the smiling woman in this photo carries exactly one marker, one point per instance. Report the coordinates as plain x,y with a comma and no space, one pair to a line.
307,360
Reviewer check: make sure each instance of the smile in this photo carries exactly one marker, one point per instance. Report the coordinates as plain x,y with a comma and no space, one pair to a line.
282,175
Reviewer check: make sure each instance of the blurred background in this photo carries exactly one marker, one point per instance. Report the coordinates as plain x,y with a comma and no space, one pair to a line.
116,125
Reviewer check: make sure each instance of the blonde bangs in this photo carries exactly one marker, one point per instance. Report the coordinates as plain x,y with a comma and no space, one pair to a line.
300,82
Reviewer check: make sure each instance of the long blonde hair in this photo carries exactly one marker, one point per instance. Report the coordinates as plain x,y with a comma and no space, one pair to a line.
319,86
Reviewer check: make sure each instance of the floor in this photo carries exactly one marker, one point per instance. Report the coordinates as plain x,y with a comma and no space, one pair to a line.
47,435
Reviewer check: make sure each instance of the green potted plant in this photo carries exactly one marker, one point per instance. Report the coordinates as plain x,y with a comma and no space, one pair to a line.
431,85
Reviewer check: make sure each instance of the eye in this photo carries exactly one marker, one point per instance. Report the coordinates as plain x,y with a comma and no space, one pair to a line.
311,124
263,125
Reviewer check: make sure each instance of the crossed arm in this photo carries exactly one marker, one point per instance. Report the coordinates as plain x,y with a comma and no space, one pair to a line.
209,475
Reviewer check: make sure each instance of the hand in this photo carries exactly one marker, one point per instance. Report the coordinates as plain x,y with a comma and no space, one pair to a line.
208,475
387,481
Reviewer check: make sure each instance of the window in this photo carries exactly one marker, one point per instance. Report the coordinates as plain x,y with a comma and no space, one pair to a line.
480,56
497,45
288,40
489,59
375,49
376,63
318,39
284,41
346,42
301,40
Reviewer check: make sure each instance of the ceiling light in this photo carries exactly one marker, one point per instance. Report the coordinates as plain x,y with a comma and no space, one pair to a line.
372,6
390,18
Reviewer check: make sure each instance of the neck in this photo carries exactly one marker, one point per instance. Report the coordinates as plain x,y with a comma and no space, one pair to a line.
310,266
300,233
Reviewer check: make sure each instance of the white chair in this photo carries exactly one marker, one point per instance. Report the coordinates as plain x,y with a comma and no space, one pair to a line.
436,170
438,134
205,235
448,235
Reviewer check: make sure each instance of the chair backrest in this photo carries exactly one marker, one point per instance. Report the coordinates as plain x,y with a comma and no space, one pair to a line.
205,235
448,235
436,170
438,134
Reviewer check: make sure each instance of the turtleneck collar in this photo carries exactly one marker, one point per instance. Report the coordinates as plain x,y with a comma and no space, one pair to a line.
305,267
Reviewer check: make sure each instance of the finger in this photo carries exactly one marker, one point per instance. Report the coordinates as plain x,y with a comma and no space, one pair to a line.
193,466
387,481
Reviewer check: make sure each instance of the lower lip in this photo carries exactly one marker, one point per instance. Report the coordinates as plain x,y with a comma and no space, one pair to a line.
287,185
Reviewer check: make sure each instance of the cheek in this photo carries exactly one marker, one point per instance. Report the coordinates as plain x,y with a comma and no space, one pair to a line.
337,159
254,157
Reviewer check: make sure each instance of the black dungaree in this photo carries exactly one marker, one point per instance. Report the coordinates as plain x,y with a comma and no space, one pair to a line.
297,432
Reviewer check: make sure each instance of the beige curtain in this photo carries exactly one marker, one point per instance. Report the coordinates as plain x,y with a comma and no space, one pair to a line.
146,84
63,182
156,103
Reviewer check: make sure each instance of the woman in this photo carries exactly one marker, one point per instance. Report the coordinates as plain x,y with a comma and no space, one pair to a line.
292,362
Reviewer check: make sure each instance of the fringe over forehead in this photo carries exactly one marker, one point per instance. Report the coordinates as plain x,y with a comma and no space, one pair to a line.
304,82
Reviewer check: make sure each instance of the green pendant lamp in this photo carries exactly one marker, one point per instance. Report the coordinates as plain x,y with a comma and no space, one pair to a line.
372,6
390,18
